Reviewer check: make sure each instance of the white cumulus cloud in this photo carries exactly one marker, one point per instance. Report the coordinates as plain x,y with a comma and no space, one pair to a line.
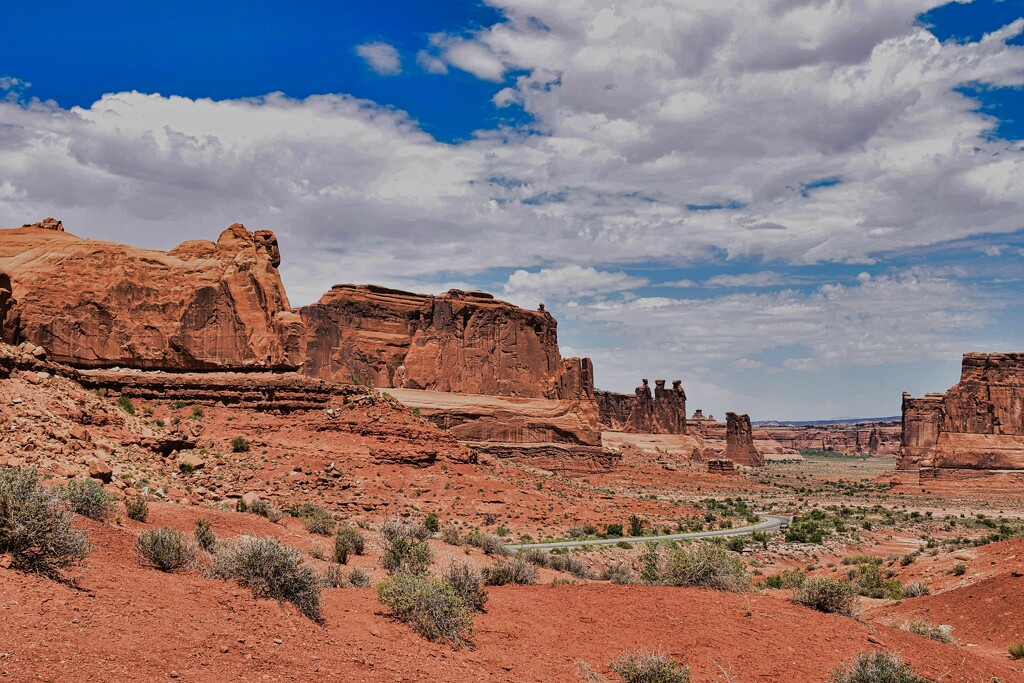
381,57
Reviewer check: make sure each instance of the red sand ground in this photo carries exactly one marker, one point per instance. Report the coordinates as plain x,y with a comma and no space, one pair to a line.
131,623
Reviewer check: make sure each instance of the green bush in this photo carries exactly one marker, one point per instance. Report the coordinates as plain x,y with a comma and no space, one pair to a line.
239,445
613,530
197,413
125,404
958,570
813,527
636,526
271,570
1016,650
358,578
406,555
468,583
490,544
618,574
869,582
569,563
535,556
432,523
264,508
827,595
35,526
347,541
649,667
787,579
88,498
395,528
877,667
433,608
704,564
515,571
165,548
930,630
136,508
320,523
205,538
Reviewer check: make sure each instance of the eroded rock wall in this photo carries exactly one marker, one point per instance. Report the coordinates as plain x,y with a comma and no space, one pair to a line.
200,306
977,424
739,441
874,438
663,412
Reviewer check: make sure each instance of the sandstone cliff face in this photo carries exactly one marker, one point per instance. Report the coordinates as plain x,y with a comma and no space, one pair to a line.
465,342
739,441
202,305
977,424
664,412
870,438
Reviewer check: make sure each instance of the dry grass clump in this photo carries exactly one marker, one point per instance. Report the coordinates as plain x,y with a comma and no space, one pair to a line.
703,564
271,570
916,589
827,595
165,548
877,667
264,508
489,543
137,508
943,634
649,667
513,571
35,526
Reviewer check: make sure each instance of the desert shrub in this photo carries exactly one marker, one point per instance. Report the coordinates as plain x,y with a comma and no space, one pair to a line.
613,530
205,538
568,563
736,544
165,548
320,523
395,528
468,583
930,630
704,564
333,577
88,498
618,574
136,508
515,571
347,541
432,523
240,445
358,578
1016,650
916,589
489,543
869,582
535,556
431,606
197,412
35,526
827,595
406,555
649,667
271,570
877,667
958,570
582,531
813,527
787,579
450,535
264,508
305,509
125,404
636,525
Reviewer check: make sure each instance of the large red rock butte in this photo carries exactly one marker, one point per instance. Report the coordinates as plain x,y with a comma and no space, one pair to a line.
664,412
739,441
978,425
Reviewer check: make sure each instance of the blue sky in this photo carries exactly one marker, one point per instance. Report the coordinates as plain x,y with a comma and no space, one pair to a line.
799,209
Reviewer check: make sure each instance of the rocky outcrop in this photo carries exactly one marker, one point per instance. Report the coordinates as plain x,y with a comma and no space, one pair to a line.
464,342
739,441
8,319
977,425
664,412
866,438
200,306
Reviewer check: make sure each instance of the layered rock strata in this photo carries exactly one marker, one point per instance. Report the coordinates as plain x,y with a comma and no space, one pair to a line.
866,438
977,425
739,441
663,412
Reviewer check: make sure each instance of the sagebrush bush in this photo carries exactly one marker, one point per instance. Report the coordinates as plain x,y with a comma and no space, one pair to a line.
877,667
489,543
704,564
433,608
165,548
396,528
569,563
205,538
432,523
35,526
240,445
929,630
264,508
467,583
406,555
916,589
271,570
515,571
535,556
450,535
136,508
827,595
88,498
787,579
618,574
347,541
320,523
333,577
358,578
869,582
649,667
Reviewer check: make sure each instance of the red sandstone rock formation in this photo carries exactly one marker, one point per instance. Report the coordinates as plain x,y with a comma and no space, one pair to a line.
977,425
202,305
739,441
7,303
642,413
465,342
869,438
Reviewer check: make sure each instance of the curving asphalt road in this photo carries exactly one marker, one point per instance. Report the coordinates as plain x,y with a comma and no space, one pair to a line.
769,523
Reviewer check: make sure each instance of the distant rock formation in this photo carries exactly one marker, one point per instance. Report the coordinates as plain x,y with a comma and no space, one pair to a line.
200,306
739,441
464,342
977,425
664,412
867,438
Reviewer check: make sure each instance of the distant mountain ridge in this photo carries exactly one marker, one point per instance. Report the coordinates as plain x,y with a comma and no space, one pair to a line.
817,423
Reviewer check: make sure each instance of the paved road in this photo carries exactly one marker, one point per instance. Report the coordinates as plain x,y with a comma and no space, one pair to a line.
768,523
